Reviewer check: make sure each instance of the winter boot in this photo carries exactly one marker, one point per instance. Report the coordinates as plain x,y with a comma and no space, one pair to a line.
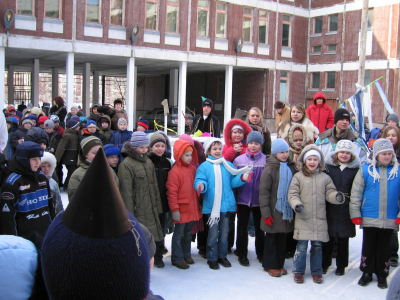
317,278
365,279
158,263
339,271
189,261
181,265
298,278
382,284
243,260
213,265
224,262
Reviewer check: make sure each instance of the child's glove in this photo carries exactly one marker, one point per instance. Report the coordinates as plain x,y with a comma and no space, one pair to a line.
200,188
247,176
356,221
339,197
269,221
397,221
176,215
299,208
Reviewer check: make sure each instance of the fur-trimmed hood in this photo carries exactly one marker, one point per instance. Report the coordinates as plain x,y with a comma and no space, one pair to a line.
355,163
290,136
51,160
128,150
168,148
98,123
228,130
311,130
321,165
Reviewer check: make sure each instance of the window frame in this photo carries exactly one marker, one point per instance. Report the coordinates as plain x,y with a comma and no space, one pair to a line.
326,81
207,9
322,25
283,78
290,30
176,4
312,81
99,21
157,2
313,48
266,19
368,16
225,12
33,9
331,51
248,16
329,23
59,11
123,15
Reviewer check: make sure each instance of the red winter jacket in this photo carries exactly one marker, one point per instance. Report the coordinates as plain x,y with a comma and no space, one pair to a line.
228,152
321,115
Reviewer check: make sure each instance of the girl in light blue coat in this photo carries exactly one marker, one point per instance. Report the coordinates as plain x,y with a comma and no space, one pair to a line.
215,178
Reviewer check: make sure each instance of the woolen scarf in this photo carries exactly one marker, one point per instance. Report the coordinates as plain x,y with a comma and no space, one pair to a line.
282,205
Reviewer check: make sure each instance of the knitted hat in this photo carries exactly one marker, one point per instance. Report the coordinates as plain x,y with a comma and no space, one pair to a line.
393,117
111,150
55,118
144,123
75,106
26,120
186,137
76,118
10,107
278,146
155,138
237,127
102,119
255,136
72,124
88,143
95,105
382,145
210,141
36,111
96,249
139,138
279,105
208,102
117,101
311,152
122,120
90,123
83,119
48,124
42,119
187,149
345,146
340,114
27,150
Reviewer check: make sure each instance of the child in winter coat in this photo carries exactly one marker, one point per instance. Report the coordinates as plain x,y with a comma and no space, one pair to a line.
215,178
375,206
247,198
113,154
183,202
105,127
122,135
53,137
342,167
139,189
91,130
235,135
276,213
297,141
307,194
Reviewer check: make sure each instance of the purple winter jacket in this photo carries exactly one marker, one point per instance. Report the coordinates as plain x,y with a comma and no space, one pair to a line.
247,194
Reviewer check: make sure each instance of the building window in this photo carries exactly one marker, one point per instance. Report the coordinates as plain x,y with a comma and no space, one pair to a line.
286,31
370,17
247,21
318,24
331,48
93,11
330,80
151,14
202,18
117,12
220,29
172,16
25,7
316,49
53,9
283,87
315,77
263,27
333,22
367,77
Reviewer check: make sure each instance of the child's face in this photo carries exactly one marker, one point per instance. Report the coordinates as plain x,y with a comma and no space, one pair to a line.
298,142
282,156
237,135
385,157
92,129
41,126
104,125
140,128
49,130
92,153
343,124
113,160
312,162
158,148
73,111
33,123
43,145
45,167
216,150
56,124
253,147
122,126
392,123
35,163
118,106
187,157
94,110
28,126
142,149
392,137
296,114
344,157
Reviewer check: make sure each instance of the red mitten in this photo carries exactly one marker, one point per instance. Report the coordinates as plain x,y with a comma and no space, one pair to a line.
397,221
356,221
269,221
249,178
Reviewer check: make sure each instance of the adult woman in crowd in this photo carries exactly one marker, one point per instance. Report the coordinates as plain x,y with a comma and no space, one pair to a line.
298,115
59,110
254,119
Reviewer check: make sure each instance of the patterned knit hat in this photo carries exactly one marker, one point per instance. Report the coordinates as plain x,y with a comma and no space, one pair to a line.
90,123
382,145
96,249
88,143
139,138
122,120
278,146
48,124
72,124
345,146
143,123
155,138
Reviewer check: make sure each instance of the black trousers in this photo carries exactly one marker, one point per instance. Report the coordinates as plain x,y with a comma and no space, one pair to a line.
202,236
59,173
290,242
243,213
394,248
71,169
159,249
274,251
375,257
342,258
231,233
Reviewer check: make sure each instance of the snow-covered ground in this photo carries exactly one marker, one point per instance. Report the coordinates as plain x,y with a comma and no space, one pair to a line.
237,282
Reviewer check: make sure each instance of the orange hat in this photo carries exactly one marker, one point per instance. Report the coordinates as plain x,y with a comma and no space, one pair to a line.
187,149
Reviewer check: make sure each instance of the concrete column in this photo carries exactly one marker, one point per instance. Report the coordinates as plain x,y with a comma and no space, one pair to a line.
95,97
173,87
130,92
182,96
10,84
2,77
35,83
228,94
103,89
86,88
54,83
70,80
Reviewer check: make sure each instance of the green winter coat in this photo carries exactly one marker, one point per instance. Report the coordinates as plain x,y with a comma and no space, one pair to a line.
139,189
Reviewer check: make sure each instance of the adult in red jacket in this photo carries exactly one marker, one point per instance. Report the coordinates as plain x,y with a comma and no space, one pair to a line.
320,113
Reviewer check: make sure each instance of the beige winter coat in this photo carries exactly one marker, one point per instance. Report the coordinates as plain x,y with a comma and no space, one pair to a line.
311,192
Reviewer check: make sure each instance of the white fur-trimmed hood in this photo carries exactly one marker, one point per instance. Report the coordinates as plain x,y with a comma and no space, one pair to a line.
49,158
311,130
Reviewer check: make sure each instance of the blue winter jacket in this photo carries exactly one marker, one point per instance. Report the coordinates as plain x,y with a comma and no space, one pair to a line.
205,174
119,137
